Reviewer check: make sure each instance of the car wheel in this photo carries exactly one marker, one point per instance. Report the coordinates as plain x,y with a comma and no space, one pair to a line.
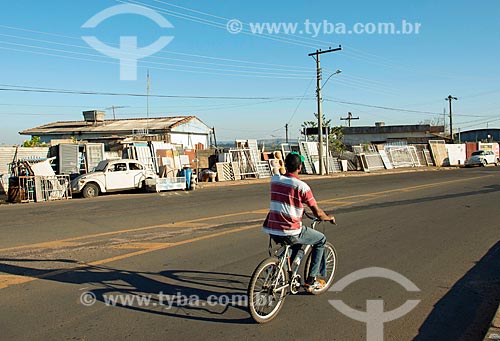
142,186
497,162
90,191
484,163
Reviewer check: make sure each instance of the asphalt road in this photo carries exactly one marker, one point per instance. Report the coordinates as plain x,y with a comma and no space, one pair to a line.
192,253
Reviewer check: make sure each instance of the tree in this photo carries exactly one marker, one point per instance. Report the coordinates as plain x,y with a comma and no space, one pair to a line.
314,124
34,142
335,137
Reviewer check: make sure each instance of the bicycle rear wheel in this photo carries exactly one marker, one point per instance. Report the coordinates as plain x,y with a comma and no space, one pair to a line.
331,267
265,299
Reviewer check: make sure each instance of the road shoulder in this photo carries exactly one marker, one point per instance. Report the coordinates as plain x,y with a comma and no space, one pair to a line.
494,331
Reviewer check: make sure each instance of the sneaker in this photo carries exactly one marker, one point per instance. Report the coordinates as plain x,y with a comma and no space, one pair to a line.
317,285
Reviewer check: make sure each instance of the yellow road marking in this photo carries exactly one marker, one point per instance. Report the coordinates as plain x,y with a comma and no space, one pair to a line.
260,211
8,280
406,189
337,202
187,223
139,245
169,245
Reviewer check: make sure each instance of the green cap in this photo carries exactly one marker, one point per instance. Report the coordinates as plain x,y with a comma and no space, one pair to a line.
302,159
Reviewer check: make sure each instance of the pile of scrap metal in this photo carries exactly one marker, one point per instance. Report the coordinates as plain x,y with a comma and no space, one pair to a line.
392,155
168,159
247,161
242,162
310,151
34,180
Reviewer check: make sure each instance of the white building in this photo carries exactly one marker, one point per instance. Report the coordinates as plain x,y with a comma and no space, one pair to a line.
189,131
380,133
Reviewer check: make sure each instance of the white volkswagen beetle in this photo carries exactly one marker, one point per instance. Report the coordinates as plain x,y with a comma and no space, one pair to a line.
482,158
111,176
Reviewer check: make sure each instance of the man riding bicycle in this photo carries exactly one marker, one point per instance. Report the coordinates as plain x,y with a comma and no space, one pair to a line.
284,220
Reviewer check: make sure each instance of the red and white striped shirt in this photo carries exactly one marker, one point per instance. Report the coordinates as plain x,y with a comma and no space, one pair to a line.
288,194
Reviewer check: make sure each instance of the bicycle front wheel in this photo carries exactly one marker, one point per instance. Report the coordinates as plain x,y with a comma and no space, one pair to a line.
331,266
267,290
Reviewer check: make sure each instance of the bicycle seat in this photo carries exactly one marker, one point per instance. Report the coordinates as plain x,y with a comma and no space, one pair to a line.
282,240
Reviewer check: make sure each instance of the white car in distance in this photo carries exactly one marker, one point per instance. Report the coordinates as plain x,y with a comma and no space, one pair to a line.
482,158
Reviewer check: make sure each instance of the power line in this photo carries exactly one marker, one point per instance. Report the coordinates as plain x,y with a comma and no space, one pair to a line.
284,69
161,52
384,61
474,125
294,40
300,101
232,72
213,23
313,40
46,105
382,107
354,85
8,87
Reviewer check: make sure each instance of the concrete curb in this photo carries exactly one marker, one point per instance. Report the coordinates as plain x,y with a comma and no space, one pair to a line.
494,331
306,177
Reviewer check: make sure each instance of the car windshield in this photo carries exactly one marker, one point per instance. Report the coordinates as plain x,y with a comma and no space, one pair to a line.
101,166
479,152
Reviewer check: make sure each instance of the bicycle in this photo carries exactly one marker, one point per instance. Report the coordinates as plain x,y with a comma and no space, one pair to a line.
277,276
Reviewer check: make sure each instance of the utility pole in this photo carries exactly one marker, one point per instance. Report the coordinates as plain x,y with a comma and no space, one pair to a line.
147,106
449,99
349,118
316,55
286,133
215,138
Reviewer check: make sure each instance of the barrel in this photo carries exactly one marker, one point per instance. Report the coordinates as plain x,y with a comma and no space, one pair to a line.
188,173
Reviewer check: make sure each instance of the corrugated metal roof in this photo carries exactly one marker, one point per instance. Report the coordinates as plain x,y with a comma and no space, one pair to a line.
112,126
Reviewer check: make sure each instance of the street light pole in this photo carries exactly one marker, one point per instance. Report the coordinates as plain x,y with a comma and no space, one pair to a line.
320,113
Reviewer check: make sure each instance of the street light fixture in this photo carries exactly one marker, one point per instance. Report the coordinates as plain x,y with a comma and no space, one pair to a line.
333,74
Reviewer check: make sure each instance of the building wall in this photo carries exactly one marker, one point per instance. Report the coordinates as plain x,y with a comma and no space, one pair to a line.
194,126
479,135
189,140
355,139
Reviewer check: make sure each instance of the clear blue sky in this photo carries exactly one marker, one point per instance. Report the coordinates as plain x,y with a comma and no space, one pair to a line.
456,52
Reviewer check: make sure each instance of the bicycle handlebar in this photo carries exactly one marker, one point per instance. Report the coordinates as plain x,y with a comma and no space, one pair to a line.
317,220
